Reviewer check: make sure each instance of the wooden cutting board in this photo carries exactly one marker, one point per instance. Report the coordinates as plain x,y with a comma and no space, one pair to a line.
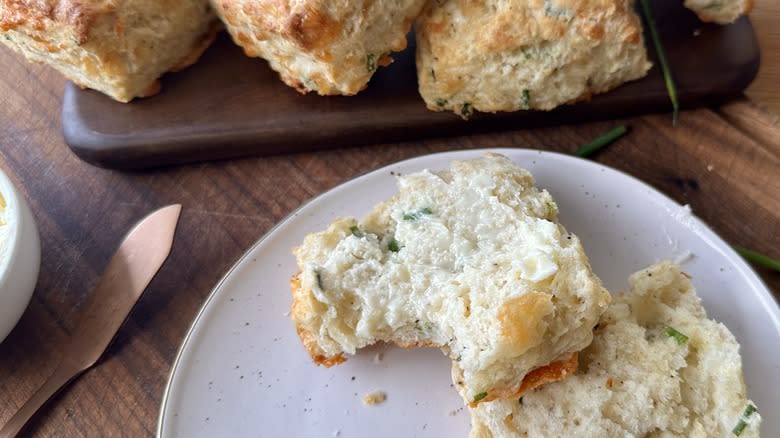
228,105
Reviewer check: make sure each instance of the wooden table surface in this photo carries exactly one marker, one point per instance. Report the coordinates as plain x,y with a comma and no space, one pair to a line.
724,162
765,18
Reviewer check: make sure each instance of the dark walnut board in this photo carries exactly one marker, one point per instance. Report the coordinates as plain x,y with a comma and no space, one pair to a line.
228,105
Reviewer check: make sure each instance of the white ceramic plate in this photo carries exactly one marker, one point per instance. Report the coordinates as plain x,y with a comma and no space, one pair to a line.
243,372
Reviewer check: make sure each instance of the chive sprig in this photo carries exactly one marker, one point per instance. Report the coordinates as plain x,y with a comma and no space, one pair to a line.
602,141
671,88
758,258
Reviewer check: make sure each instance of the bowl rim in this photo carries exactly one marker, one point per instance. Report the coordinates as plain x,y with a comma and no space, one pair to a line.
13,208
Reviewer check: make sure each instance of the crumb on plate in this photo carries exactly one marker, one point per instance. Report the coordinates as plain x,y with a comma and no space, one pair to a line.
374,398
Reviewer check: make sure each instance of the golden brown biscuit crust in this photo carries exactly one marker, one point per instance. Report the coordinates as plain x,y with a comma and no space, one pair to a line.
300,308
118,48
319,45
508,55
553,372
78,15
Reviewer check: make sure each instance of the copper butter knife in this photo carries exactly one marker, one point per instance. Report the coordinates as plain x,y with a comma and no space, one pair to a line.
130,270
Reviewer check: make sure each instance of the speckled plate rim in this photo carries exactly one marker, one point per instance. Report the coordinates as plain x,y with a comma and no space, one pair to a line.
697,226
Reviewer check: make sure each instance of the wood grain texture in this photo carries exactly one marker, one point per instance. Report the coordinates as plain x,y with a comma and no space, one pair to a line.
765,19
729,178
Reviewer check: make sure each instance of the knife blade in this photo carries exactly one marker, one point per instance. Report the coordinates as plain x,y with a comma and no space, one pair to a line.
131,269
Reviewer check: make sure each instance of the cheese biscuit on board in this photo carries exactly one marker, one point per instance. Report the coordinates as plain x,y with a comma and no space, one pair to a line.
119,48
509,55
719,11
329,47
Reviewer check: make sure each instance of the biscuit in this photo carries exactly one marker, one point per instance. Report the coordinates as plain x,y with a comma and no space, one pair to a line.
509,55
720,11
117,48
329,47
471,260
657,367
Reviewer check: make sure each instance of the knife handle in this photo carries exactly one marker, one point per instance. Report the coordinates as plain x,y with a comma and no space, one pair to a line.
65,372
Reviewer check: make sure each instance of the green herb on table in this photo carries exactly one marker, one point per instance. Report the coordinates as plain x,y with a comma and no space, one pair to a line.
356,231
480,396
673,333
659,50
600,142
758,258
742,424
441,102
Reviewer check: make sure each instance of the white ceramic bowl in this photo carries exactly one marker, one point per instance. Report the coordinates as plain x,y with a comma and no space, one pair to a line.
20,256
